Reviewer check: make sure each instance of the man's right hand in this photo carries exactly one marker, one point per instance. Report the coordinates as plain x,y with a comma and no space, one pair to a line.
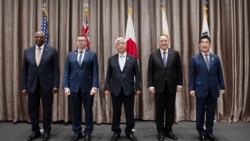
107,92
151,90
24,92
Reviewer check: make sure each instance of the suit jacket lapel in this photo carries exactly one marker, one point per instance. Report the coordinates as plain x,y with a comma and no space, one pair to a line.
159,56
117,62
44,53
126,61
170,57
85,57
202,61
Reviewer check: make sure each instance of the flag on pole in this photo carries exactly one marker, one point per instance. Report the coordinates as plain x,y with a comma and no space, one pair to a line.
164,22
85,24
44,25
205,28
130,35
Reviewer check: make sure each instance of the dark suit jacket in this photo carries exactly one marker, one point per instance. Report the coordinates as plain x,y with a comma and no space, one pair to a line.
47,72
157,73
201,80
82,77
128,79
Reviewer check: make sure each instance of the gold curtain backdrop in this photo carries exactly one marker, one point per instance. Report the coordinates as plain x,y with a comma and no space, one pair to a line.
228,21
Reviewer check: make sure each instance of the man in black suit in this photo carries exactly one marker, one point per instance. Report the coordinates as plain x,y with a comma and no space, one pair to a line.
206,83
123,82
164,79
40,79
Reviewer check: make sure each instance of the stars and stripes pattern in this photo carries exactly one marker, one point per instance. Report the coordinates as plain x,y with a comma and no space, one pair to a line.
44,26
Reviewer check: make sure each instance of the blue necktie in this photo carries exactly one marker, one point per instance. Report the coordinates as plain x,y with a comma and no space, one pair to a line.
80,58
164,59
207,61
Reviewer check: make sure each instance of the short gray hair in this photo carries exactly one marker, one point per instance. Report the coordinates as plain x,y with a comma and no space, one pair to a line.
119,39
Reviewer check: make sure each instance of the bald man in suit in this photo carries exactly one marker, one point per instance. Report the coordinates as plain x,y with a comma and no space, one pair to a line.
40,79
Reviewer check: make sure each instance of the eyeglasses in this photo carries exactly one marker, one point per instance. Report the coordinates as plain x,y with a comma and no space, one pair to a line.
81,40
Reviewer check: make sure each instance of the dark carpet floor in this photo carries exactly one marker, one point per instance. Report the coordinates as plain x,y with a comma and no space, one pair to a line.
144,131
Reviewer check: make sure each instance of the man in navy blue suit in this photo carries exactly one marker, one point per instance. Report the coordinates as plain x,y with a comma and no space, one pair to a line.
40,79
81,81
206,82
123,82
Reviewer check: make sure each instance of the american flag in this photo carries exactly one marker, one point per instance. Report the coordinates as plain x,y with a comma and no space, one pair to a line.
85,28
44,26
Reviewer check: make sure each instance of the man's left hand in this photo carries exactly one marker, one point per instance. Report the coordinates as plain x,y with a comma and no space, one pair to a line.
54,90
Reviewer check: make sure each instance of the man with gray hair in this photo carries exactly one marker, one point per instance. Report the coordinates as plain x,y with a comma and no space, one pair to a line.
123,82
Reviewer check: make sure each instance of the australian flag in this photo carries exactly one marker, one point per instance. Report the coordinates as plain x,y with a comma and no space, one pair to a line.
44,26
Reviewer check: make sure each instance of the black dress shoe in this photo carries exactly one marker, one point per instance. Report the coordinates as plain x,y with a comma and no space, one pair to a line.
46,136
211,137
115,137
202,138
131,137
76,137
160,137
171,135
87,138
34,135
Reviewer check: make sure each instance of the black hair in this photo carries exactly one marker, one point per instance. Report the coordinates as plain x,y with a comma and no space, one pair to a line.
205,37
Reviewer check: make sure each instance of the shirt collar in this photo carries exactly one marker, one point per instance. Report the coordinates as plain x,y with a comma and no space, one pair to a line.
203,54
81,50
164,51
124,54
42,46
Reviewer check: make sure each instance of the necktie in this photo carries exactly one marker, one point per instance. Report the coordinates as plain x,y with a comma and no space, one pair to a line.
207,61
38,55
164,58
80,57
122,61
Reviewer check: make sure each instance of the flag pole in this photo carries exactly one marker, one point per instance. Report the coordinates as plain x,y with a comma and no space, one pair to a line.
85,26
164,18
86,9
204,9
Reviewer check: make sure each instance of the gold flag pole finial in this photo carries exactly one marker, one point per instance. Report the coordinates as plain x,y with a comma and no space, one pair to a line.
86,9
204,9
130,11
44,8
130,8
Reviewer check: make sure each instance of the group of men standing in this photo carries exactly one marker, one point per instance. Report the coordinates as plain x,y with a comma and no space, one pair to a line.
40,79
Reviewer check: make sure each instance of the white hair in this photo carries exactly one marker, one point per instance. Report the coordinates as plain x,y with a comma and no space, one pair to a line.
119,39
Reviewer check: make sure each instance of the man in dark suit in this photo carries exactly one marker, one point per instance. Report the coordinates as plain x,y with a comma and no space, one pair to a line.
40,79
81,81
164,79
206,82
123,82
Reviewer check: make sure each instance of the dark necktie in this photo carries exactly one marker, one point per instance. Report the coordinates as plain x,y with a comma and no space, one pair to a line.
164,58
207,61
80,58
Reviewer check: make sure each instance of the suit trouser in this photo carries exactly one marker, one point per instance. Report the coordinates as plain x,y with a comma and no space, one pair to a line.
165,103
33,105
129,112
77,99
205,107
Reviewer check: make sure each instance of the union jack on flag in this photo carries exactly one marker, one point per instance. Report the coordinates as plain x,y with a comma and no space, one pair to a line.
44,26
85,28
